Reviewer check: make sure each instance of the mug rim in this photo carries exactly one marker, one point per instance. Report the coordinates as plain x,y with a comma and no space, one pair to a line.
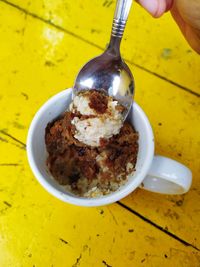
82,201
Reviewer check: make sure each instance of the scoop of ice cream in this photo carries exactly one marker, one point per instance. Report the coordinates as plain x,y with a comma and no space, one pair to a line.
97,116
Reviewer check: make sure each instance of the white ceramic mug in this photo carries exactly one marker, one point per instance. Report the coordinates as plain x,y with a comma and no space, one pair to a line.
154,173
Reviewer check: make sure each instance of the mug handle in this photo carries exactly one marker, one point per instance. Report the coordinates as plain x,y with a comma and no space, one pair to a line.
167,176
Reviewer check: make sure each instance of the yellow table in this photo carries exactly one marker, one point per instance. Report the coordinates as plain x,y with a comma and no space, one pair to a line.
43,44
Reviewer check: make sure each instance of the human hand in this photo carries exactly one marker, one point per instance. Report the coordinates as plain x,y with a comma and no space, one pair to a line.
185,13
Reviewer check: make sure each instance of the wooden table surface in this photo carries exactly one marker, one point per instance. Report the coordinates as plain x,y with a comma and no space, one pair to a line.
43,44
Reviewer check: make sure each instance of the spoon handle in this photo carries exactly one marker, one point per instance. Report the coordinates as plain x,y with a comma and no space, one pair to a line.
121,15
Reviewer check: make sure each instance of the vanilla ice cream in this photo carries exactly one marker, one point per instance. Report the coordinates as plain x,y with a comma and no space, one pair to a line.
92,126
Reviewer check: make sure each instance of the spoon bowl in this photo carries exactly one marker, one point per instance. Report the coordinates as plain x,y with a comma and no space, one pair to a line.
108,72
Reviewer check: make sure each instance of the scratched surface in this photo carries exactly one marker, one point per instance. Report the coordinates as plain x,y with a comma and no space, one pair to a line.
37,60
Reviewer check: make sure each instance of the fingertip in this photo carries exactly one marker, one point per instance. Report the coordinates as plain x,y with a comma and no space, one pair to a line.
155,7
161,8
150,6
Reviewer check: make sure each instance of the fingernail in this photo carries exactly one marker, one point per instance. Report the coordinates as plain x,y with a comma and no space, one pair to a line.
150,5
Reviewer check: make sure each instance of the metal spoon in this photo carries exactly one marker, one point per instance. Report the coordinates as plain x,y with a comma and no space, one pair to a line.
108,71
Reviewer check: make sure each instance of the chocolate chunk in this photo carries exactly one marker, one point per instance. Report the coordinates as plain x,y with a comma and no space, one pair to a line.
98,101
